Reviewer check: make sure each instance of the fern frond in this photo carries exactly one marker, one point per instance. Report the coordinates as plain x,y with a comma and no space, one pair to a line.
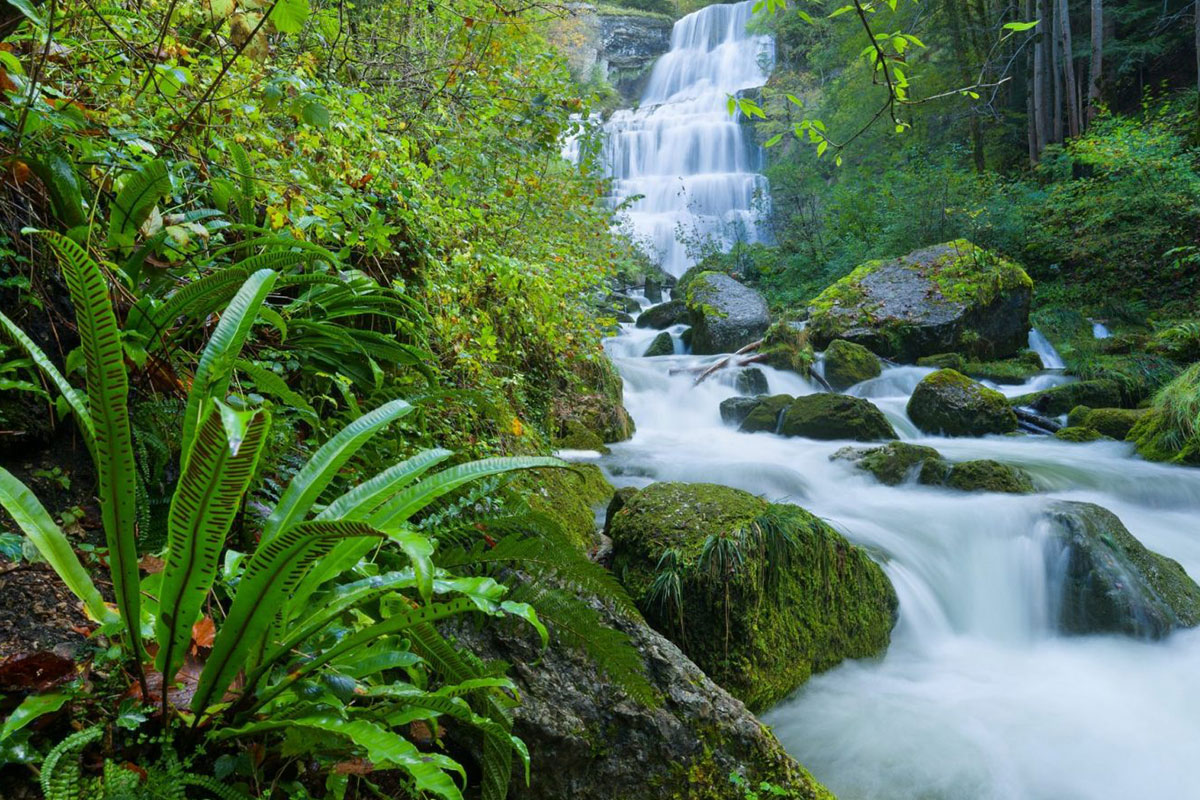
60,771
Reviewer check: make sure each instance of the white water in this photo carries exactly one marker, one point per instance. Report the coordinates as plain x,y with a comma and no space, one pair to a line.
977,697
1100,331
679,159
1041,345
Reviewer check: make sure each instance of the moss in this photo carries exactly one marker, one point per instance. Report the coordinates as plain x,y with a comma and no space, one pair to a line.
1014,370
576,437
985,475
1156,439
954,361
662,345
1077,433
791,611
663,315
893,463
836,416
1077,415
1061,399
785,346
950,403
596,402
970,274
847,363
570,497
1113,422
764,415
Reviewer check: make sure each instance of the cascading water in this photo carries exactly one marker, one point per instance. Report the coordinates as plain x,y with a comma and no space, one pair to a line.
978,697
680,153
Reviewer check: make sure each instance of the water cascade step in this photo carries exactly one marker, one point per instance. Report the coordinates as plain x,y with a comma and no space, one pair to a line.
686,166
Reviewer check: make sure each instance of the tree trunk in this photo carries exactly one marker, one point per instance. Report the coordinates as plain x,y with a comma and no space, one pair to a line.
1071,97
1056,74
1041,49
1097,70
962,55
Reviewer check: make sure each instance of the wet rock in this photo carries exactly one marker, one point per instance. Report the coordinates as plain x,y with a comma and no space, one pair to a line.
1061,399
750,381
735,409
891,464
836,416
785,346
1113,422
662,345
598,407
985,475
954,361
575,436
1012,371
950,403
653,290
951,297
814,601
619,499
847,363
765,414
1110,583
623,302
589,739
725,315
1078,434
664,315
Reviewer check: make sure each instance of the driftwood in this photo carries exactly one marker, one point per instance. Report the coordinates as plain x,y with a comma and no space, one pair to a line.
728,360
1035,423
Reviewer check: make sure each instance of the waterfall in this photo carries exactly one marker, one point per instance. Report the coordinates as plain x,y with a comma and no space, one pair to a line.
1041,345
681,166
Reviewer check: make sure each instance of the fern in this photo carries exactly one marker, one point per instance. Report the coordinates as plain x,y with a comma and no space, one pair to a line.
60,771
135,201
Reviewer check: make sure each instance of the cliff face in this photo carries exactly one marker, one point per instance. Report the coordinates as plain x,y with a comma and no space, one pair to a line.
619,48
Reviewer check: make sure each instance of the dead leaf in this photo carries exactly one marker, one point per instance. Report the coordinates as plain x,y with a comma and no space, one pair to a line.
203,633
35,672
151,565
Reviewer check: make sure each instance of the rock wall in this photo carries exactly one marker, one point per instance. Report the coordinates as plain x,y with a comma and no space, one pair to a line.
619,47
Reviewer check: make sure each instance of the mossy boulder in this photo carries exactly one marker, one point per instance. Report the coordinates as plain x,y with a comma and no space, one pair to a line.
725,315
765,414
1077,415
575,436
735,409
762,626
985,475
897,462
1011,371
664,315
1112,422
951,297
625,303
847,363
950,403
955,361
785,346
1157,438
892,463
571,497
1110,583
1061,399
1078,434
663,345
595,402
836,416
750,382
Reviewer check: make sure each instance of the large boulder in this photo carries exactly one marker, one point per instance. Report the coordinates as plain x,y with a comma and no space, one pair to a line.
735,409
1061,399
950,403
1110,583
663,345
1115,423
836,416
847,363
981,475
663,315
760,596
947,298
750,381
765,414
589,738
892,463
725,315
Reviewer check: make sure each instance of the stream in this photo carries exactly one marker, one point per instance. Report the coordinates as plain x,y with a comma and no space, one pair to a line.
977,697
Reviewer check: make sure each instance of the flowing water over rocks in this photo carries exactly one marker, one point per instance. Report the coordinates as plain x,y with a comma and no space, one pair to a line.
979,695
683,163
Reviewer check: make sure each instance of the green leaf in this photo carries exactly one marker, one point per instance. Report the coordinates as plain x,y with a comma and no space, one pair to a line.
270,576
1018,27
213,373
774,140
288,16
315,114
384,748
135,201
32,707
57,174
312,479
75,399
51,542
206,501
108,404
29,11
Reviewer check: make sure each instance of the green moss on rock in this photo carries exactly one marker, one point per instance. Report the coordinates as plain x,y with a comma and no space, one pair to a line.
798,600
571,497
836,416
950,403
765,413
785,346
955,361
1113,422
1061,399
985,475
1077,433
892,463
662,345
1014,370
575,436
847,363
